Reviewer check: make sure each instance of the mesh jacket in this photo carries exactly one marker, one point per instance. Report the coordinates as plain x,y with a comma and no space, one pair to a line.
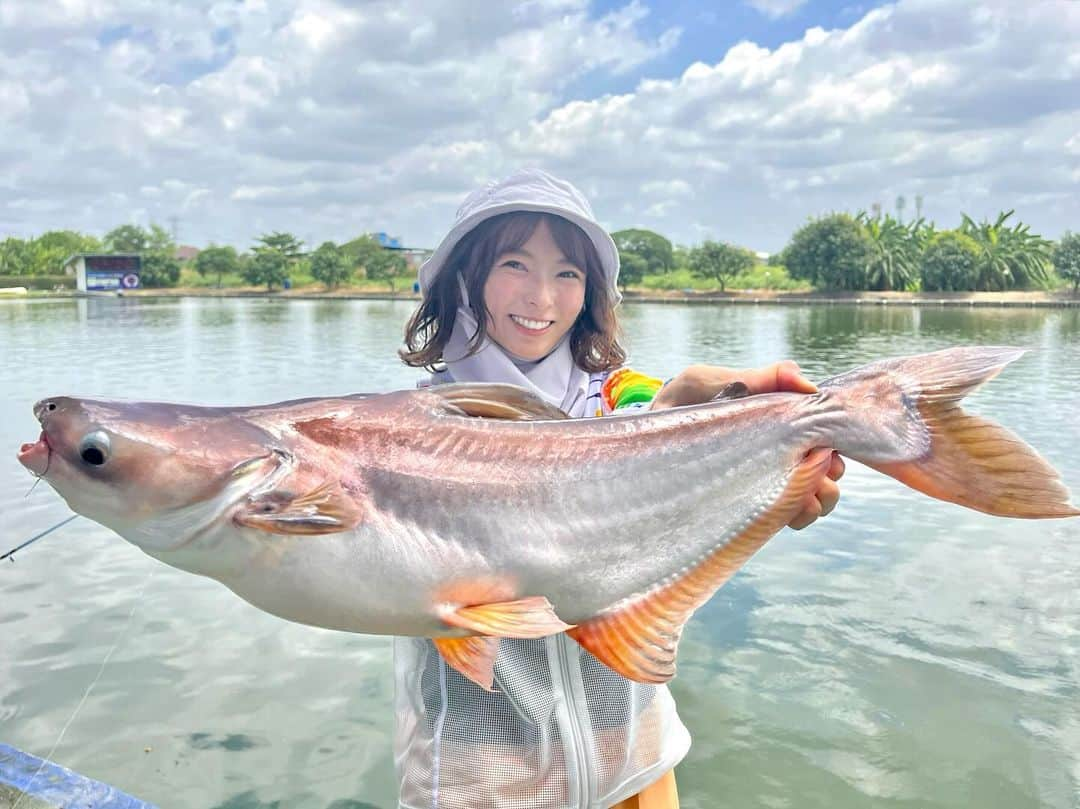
560,731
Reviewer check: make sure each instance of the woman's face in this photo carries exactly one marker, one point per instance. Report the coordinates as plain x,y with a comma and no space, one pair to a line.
534,295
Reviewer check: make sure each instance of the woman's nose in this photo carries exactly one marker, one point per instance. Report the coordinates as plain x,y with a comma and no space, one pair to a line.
541,291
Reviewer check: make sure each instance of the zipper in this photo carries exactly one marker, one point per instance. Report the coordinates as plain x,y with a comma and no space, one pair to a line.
570,700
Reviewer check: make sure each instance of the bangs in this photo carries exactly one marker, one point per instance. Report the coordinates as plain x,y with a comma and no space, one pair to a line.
514,229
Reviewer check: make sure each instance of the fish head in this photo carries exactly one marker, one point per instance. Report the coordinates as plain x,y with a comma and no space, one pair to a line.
157,474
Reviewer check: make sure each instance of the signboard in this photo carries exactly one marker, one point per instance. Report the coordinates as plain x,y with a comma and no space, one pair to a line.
113,273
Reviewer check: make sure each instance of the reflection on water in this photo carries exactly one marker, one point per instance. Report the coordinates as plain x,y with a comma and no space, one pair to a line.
900,653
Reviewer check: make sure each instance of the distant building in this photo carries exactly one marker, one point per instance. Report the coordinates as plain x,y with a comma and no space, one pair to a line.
186,252
414,256
100,272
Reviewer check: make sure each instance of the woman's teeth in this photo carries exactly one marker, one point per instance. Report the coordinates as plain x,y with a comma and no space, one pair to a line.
535,325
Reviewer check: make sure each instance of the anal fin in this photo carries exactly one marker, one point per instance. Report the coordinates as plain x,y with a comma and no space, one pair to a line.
640,639
473,657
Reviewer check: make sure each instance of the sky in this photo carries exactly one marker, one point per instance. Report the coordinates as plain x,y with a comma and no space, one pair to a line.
733,121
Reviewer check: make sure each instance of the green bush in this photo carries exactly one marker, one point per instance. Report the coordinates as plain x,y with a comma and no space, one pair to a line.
47,282
831,252
950,262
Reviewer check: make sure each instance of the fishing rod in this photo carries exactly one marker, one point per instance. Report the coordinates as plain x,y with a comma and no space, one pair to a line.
11,554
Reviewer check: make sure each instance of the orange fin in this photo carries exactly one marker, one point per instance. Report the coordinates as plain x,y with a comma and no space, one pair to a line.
324,510
496,401
532,617
960,458
473,657
639,639
982,465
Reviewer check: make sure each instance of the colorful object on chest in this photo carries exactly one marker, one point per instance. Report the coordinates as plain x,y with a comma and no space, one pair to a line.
627,386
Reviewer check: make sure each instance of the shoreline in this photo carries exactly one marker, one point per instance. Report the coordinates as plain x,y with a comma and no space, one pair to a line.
1054,300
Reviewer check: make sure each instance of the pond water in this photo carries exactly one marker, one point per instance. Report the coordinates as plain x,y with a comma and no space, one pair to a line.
901,652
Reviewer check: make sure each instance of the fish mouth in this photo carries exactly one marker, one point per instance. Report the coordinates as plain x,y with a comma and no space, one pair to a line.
36,456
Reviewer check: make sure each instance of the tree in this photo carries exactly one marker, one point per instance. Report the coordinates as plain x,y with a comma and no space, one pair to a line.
217,261
49,250
284,243
379,263
654,248
720,261
16,257
832,251
330,265
267,266
950,262
1066,258
632,268
159,269
1009,257
159,265
894,263
127,239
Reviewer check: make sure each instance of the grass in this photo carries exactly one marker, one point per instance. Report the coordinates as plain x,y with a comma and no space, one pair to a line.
761,276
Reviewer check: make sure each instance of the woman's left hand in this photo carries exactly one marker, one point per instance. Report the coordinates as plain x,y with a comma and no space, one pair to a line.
701,383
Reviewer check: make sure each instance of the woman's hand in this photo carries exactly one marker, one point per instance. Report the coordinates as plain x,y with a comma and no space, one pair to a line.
700,383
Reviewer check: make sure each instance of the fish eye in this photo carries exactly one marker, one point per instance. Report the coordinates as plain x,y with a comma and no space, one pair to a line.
94,448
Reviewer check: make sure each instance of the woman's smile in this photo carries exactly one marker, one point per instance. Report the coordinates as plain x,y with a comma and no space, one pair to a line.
534,295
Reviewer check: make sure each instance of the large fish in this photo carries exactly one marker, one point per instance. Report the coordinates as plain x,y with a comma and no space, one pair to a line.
465,513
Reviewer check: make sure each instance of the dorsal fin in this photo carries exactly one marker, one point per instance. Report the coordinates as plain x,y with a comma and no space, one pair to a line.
495,401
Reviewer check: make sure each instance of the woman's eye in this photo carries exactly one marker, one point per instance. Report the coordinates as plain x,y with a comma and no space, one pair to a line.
570,274
514,265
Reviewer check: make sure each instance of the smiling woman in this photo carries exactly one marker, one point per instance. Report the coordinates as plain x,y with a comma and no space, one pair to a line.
534,294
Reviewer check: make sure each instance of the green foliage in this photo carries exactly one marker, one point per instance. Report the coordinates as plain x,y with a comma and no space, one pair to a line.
653,248
719,261
1066,258
330,265
632,269
894,263
217,261
950,262
832,252
284,243
379,264
45,254
135,239
16,257
159,269
760,276
268,266
159,265
41,282
1009,258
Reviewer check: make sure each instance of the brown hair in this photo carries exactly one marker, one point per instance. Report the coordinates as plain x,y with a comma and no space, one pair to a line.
594,336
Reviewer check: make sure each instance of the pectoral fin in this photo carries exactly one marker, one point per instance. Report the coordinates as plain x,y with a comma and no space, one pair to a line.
639,639
327,509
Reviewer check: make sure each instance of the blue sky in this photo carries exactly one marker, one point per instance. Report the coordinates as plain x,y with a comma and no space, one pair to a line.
733,121
707,33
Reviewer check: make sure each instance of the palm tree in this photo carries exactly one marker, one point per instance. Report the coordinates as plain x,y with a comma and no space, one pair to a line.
894,263
1009,257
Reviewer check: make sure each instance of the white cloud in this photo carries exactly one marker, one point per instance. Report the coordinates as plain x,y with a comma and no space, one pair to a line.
333,118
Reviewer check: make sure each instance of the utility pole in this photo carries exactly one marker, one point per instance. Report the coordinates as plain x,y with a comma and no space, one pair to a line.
174,226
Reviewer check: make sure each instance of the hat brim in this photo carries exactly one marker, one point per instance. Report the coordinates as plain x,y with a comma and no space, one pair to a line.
602,241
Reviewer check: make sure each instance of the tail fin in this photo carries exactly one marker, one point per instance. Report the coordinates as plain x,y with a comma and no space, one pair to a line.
934,446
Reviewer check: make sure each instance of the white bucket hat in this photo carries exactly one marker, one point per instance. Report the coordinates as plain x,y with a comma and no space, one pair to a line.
526,190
